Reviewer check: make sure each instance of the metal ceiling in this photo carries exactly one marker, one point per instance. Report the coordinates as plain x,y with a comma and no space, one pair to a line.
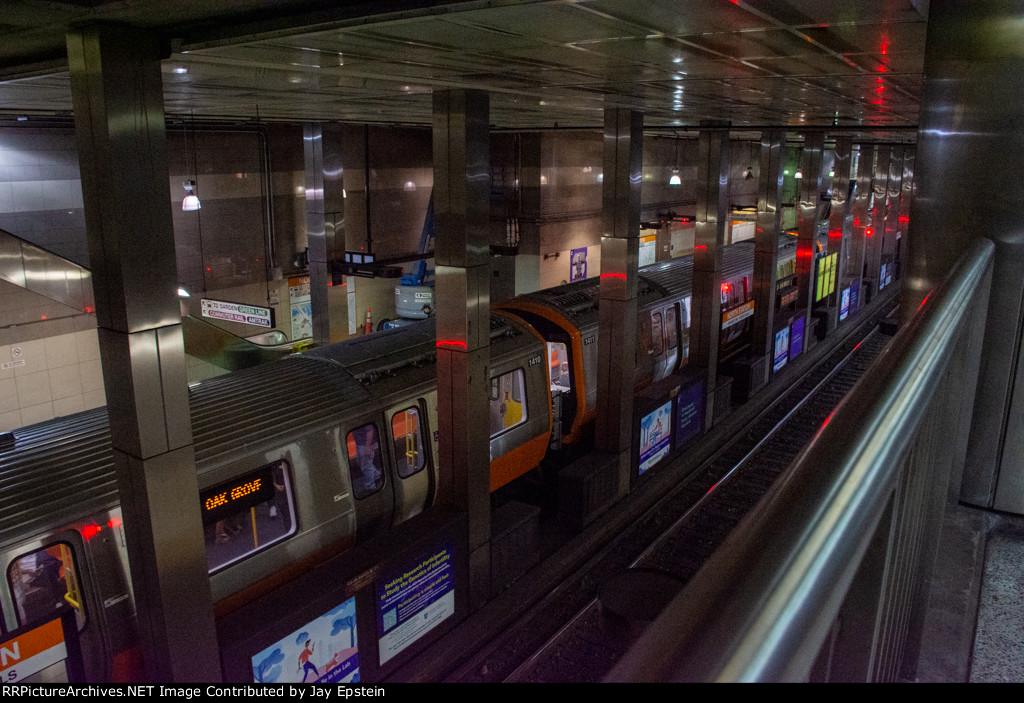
749,62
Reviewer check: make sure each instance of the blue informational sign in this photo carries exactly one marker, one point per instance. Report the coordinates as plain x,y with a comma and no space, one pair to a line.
796,338
854,296
414,601
689,413
844,304
578,265
655,436
781,349
325,650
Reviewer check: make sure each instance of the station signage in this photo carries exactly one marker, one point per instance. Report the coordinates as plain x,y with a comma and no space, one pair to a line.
738,314
237,312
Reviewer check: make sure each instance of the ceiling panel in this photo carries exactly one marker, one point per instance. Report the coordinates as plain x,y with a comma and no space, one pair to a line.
757,62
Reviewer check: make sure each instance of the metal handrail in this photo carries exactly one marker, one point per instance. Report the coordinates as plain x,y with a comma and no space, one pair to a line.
761,608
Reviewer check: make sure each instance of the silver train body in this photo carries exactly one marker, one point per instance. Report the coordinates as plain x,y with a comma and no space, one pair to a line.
331,447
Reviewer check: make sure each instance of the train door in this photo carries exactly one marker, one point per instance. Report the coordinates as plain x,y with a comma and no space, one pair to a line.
369,477
672,336
40,579
412,482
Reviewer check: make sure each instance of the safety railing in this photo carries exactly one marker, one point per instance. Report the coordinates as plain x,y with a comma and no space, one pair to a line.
826,580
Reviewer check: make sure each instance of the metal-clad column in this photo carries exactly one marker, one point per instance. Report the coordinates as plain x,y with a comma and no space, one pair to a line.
894,192
319,274
874,233
462,255
117,95
807,231
709,239
862,198
969,150
620,250
839,234
906,198
766,241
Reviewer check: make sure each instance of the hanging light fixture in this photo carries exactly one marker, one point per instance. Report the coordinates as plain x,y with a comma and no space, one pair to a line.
748,174
191,202
675,180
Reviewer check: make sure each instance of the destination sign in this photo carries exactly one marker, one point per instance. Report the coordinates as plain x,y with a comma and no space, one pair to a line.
246,491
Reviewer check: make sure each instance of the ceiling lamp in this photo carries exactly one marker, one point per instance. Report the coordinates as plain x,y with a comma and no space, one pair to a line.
675,180
191,201
798,174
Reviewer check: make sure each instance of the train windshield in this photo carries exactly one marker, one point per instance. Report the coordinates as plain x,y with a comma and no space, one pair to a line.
247,515
43,581
508,407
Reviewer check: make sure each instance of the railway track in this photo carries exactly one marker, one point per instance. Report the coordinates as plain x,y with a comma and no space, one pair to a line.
576,634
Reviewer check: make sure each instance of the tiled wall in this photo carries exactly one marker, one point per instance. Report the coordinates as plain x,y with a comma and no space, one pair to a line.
45,378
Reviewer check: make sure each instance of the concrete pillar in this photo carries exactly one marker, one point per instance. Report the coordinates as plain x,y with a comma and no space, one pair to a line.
709,239
894,193
528,258
462,300
620,247
316,228
117,95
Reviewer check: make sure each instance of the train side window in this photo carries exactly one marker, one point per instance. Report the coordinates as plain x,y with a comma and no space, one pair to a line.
657,334
365,463
408,437
670,327
643,336
508,407
247,515
44,580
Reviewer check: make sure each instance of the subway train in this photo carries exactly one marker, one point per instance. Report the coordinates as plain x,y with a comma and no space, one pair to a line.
304,457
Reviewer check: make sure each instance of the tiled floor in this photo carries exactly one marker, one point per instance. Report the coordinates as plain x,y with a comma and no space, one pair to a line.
975,626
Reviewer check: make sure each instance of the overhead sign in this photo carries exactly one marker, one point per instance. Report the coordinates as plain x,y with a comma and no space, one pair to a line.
237,312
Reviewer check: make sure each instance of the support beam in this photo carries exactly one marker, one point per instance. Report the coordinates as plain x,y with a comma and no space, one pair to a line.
969,150
117,95
861,221
620,247
462,300
875,232
766,240
709,239
840,218
811,161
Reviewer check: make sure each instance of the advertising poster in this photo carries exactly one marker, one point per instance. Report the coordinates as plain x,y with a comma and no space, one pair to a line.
655,436
796,338
844,304
301,307
323,651
414,601
781,349
578,265
689,413
648,250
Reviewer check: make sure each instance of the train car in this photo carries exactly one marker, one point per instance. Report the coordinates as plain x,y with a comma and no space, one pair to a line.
329,449
567,318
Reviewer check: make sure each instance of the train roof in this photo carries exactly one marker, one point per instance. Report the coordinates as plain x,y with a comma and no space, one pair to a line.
63,469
